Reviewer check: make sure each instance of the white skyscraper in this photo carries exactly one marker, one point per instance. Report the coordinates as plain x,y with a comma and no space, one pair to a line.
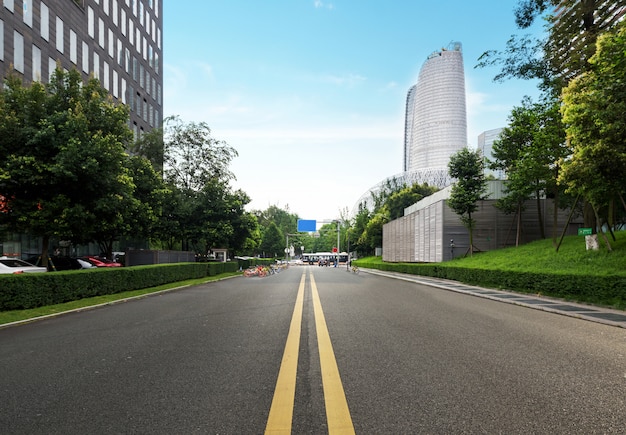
436,119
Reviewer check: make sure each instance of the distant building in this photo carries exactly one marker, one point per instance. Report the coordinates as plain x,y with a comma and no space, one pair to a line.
117,41
485,145
435,125
436,118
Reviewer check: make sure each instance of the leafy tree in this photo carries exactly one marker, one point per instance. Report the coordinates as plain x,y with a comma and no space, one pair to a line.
564,52
401,199
273,243
357,229
594,111
64,171
467,168
203,211
286,221
192,158
529,150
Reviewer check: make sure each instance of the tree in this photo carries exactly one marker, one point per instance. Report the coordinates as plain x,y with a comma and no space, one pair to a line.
564,52
529,150
401,199
273,243
64,171
192,158
467,168
204,212
594,111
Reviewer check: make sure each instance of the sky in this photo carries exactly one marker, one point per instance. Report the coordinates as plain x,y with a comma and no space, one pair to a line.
311,94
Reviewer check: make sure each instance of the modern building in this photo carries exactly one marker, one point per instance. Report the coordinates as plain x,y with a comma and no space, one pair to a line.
117,41
485,145
435,124
436,118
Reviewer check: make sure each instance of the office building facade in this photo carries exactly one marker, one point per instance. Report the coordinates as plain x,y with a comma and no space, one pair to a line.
436,118
117,41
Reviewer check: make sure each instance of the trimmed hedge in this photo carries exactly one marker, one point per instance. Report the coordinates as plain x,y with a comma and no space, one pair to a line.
604,290
18,292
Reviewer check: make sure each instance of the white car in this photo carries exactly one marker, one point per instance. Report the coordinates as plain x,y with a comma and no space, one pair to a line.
15,265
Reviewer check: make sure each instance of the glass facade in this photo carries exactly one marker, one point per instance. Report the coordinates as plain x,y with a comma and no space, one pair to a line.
436,124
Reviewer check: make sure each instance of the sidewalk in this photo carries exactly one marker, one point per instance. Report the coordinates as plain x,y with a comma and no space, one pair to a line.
591,313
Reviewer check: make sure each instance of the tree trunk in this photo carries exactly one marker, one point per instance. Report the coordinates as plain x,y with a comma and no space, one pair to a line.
471,234
45,247
555,217
542,230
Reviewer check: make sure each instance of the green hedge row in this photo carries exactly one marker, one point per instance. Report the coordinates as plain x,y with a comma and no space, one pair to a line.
604,290
18,292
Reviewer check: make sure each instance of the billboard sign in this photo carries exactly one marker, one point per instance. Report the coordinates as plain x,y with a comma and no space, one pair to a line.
307,226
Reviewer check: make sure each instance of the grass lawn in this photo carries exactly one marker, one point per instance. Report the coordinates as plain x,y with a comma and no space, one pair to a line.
541,256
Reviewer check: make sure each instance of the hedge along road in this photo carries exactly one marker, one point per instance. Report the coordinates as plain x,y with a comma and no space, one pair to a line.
408,359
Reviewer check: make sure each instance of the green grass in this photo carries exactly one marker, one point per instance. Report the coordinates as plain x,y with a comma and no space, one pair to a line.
19,315
541,256
572,273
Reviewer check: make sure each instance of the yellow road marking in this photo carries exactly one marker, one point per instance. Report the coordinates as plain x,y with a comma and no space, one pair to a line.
337,412
281,411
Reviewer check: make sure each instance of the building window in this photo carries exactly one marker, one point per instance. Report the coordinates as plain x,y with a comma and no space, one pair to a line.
115,11
9,5
1,40
52,66
106,7
36,64
116,80
59,38
28,13
123,21
85,58
96,65
100,32
111,44
123,91
91,22
120,53
45,22
73,47
18,51
105,80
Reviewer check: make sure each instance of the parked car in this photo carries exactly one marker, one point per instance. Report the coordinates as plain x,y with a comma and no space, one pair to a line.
57,263
101,261
15,265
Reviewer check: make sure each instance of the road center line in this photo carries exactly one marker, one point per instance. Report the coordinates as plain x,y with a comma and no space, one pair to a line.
281,411
337,412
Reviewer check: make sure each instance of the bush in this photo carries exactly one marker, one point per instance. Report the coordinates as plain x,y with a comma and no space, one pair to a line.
18,292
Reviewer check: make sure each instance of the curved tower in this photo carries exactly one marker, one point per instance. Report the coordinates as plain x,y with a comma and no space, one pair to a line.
436,123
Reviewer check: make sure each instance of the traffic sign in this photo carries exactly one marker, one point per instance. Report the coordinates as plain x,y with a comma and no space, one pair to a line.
584,231
305,225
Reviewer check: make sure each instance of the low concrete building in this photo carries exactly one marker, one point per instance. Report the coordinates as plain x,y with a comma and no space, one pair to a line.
431,232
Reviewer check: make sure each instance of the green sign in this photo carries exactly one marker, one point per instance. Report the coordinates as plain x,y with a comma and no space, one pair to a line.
584,231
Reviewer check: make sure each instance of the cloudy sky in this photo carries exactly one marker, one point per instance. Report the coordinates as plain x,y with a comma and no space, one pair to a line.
312,94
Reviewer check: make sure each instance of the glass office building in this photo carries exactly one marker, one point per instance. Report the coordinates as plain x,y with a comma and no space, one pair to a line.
117,41
436,119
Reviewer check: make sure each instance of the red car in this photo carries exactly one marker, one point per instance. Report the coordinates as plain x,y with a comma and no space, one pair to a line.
101,262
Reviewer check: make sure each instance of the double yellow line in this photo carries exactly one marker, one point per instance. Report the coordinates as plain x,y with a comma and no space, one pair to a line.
281,412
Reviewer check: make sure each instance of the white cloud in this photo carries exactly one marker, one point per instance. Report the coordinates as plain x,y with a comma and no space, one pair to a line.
320,4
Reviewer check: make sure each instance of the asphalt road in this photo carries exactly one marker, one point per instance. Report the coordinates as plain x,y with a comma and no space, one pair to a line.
410,358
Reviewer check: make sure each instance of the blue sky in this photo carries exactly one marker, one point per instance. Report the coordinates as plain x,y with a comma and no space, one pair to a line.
312,93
